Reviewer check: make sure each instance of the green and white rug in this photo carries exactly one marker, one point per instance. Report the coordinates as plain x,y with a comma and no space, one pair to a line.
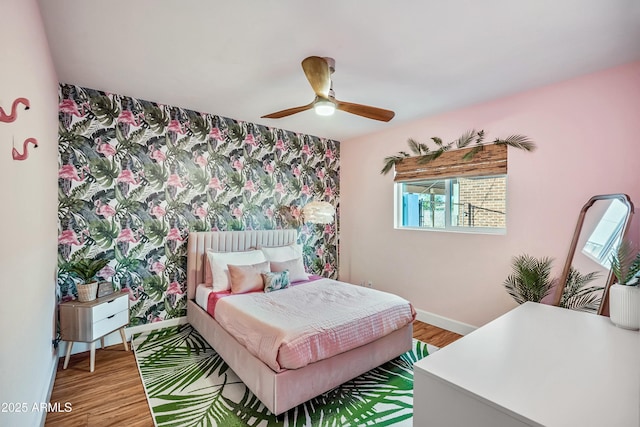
188,384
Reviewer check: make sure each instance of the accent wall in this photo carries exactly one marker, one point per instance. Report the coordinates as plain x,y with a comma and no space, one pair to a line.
135,177
587,132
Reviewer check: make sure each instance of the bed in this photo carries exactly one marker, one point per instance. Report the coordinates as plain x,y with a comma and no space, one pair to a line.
278,390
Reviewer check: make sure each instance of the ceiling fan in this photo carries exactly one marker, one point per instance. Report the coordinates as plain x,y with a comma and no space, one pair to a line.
318,71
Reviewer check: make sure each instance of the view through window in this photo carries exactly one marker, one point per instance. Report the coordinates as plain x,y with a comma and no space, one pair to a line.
476,204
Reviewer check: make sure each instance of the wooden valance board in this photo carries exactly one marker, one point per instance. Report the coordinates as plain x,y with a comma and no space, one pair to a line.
492,160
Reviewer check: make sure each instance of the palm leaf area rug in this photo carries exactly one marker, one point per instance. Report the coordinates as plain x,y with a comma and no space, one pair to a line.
188,384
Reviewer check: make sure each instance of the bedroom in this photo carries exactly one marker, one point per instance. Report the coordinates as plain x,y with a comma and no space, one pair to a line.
584,123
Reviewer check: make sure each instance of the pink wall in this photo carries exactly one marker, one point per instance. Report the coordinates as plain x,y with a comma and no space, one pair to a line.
28,217
587,134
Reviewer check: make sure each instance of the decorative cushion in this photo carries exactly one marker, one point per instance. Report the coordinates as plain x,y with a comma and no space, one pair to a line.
217,275
276,281
247,278
295,267
208,276
282,253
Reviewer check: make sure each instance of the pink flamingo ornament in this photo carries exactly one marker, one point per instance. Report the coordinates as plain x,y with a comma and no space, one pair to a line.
25,152
8,118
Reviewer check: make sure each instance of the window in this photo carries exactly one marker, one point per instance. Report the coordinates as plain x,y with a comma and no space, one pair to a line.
470,204
459,190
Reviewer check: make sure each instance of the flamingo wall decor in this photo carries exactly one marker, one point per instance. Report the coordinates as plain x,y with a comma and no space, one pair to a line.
8,118
25,153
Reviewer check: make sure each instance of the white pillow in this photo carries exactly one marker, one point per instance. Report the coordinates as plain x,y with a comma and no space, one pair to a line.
282,253
294,266
219,261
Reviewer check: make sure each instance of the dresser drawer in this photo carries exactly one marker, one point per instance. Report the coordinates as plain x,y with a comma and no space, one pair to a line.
109,308
110,324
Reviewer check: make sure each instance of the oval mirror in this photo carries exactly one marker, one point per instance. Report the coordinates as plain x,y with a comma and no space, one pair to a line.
586,276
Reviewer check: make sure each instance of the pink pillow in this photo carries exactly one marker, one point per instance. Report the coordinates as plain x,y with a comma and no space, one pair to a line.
217,273
295,267
208,276
247,278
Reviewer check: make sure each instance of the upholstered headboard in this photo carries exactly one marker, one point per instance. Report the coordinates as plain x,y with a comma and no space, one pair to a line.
227,241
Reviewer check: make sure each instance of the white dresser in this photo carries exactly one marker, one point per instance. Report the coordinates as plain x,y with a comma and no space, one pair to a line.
537,365
90,321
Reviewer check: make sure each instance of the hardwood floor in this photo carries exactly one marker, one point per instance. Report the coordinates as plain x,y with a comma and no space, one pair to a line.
113,394
433,335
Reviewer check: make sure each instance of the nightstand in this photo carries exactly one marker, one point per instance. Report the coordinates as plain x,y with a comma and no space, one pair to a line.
90,321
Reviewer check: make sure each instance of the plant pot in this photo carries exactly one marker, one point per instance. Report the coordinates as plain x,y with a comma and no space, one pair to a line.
624,306
87,292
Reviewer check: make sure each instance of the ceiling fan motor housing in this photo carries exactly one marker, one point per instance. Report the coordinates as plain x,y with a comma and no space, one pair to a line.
331,63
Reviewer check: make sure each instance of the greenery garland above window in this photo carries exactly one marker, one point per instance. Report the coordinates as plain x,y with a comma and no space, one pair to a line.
470,138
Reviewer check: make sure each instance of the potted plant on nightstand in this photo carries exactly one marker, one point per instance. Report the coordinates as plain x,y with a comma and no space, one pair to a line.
86,270
624,296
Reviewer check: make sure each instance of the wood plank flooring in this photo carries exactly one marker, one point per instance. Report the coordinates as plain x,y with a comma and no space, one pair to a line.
113,394
433,335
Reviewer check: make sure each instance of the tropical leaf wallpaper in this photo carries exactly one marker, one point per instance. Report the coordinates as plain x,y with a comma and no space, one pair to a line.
135,177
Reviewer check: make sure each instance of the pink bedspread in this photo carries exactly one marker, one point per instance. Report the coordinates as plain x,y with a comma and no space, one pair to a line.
214,297
291,328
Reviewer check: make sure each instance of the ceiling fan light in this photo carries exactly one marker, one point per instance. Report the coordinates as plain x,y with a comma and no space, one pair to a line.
324,107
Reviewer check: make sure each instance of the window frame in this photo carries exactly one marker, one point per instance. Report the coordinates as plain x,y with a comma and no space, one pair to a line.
448,228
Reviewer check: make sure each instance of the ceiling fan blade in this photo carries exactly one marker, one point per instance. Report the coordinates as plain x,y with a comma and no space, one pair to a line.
366,111
288,112
317,71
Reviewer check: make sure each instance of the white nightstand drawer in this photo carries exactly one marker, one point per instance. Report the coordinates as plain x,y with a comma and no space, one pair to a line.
111,307
91,320
111,323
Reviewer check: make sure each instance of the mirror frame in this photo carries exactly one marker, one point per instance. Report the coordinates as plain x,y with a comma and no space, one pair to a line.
603,310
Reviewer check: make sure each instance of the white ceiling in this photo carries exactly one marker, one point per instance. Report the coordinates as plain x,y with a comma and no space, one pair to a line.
241,59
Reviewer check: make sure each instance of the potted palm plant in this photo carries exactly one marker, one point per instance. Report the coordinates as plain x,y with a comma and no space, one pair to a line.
624,296
86,270
531,279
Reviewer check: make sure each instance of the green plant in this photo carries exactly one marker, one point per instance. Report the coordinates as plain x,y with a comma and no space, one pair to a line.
577,296
85,269
530,280
425,155
625,264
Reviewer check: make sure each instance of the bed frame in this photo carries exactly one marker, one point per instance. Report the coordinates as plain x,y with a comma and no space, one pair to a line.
278,391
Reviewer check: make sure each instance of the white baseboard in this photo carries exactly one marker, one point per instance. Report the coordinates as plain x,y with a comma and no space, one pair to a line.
444,322
52,380
115,338
156,325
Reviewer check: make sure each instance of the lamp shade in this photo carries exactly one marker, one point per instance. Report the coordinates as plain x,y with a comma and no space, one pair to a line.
318,212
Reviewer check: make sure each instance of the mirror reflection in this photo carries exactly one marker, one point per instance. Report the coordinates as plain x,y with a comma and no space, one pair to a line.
602,224
607,232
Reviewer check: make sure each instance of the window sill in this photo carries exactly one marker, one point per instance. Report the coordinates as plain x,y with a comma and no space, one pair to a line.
459,230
